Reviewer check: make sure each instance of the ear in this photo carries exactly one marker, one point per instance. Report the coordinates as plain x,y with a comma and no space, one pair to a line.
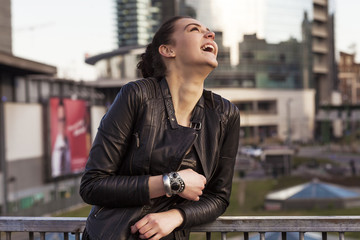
166,51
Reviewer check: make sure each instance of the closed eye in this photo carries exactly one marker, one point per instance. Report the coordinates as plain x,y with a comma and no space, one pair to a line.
194,29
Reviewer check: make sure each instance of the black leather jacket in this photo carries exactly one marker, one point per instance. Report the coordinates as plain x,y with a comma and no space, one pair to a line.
140,121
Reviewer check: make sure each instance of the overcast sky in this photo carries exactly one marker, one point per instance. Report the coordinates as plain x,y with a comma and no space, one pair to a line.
61,32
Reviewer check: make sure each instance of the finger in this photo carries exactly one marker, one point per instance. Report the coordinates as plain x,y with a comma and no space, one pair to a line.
139,224
148,234
156,237
204,179
144,229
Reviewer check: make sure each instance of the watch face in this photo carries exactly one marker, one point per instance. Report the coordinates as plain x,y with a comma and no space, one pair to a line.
175,186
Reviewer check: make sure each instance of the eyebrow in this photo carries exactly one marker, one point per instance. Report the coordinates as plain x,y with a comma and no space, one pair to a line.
196,24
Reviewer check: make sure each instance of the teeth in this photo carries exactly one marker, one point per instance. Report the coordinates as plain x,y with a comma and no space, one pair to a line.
207,46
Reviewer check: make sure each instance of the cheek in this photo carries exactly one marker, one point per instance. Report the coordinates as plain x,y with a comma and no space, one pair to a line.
188,48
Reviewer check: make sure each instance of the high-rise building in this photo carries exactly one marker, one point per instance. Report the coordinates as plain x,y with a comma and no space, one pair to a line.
138,20
134,22
5,26
323,52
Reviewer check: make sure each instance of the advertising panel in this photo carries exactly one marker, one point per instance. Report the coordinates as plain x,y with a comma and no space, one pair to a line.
70,136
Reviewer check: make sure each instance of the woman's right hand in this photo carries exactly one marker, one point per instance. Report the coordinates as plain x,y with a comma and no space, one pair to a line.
194,184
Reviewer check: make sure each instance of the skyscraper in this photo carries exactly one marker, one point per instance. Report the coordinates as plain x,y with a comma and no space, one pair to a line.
134,22
138,20
323,52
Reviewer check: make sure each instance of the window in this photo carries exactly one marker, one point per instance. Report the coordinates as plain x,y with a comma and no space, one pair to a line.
248,55
268,107
245,106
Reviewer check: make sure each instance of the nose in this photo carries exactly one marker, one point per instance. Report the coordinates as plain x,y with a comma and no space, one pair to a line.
210,34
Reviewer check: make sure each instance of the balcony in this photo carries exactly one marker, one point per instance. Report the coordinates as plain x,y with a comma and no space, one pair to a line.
319,31
320,69
320,15
302,225
319,48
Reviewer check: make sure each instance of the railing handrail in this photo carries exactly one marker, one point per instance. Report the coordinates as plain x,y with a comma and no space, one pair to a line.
222,224
282,224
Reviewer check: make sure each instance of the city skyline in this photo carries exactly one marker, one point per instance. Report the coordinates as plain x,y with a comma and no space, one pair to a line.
59,35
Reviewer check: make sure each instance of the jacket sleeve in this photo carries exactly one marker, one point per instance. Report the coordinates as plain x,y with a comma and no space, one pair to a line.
101,183
216,196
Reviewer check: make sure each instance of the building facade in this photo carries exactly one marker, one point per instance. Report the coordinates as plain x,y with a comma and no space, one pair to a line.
27,186
323,48
349,78
265,65
273,115
5,26
135,21
138,20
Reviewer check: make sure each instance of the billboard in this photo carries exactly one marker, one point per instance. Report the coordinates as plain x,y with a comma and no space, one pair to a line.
70,136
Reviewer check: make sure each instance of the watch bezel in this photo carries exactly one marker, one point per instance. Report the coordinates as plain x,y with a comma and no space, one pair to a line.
176,178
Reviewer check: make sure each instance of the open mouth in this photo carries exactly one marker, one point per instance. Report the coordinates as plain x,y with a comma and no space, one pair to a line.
208,48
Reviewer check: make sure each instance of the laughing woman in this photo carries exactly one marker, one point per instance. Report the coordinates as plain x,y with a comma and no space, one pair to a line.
162,160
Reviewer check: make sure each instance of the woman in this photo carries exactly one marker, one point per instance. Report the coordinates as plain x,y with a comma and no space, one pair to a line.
163,157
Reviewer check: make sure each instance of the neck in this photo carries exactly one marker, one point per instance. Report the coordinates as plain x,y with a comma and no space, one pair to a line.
185,92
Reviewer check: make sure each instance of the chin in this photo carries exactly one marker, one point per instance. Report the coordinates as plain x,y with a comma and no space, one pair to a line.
213,64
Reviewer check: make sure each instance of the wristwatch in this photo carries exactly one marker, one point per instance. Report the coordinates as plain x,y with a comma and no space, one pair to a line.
173,184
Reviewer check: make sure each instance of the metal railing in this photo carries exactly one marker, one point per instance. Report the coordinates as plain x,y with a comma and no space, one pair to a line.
224,225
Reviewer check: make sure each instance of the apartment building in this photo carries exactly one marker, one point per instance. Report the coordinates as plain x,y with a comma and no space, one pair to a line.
273,114
349,78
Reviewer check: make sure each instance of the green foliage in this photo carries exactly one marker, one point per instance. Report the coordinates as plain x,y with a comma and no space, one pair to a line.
79,212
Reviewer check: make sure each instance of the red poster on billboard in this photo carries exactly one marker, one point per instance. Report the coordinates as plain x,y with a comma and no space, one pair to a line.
70,136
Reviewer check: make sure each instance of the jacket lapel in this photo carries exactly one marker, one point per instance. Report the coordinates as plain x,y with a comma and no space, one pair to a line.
210,124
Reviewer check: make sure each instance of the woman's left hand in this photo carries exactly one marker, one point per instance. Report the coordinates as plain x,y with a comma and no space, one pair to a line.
157,225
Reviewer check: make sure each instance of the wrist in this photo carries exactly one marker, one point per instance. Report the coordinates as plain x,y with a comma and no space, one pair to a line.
179,216
167,187
173,184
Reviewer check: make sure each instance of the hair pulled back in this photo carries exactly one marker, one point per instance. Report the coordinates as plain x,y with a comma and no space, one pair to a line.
151,63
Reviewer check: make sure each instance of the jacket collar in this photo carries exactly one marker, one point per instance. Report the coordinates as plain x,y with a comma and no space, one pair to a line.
197,115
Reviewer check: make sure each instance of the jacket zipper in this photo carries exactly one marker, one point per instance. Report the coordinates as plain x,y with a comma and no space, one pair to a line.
97,213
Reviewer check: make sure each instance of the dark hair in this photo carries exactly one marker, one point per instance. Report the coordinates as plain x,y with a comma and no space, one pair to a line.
151,63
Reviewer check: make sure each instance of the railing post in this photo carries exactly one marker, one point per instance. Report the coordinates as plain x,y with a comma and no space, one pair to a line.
223,235
262,236
8,235
66,236
283,236
77,236
324,236
31,235
3,163
301,235
246,235
42,236
208,235
341,236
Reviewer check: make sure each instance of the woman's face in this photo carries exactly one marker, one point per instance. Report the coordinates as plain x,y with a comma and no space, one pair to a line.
194,44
